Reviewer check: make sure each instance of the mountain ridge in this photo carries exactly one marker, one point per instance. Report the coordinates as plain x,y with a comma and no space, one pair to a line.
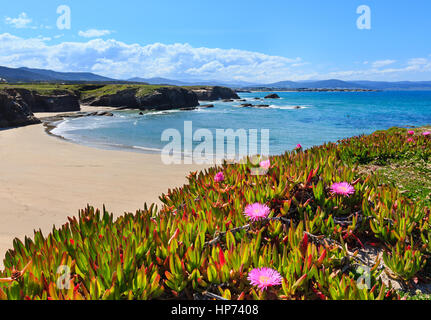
25,74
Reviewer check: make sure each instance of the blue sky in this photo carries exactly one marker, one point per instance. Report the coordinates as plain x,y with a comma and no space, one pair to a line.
256,41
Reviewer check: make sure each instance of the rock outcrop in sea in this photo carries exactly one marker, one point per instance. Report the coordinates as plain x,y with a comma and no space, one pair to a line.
169,98
163,98
272,96
215,93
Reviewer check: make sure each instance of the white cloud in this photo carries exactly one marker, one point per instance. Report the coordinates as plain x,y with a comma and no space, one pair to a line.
119,60
94,33
23,21
413,65
418,61
383,63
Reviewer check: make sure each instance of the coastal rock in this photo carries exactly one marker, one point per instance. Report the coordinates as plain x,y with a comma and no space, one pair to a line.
215,93
14,110
123,98
104,114
272,96
164,98
249,105
207,106
57,101
63,102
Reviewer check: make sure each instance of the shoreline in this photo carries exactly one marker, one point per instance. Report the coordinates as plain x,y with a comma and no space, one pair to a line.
43,180
52,121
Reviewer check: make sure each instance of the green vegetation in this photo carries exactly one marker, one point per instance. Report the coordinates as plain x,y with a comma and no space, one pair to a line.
409,173
413,178
200,242
417,296
141,90
43,89
84,90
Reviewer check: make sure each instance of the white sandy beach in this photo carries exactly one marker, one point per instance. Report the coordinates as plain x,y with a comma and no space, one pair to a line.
44,179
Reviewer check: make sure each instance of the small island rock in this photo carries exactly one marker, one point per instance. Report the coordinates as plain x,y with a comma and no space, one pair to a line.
272,96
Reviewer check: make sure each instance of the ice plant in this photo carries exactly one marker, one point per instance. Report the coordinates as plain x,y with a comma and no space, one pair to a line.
199,238
219,177
16,274
265,164
410,140
411,132
298,146
264,278
257,211
426,133
343,189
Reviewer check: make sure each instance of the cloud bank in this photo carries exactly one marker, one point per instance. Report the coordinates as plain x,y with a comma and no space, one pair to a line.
119,60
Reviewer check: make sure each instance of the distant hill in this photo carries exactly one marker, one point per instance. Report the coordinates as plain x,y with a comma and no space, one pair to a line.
282,84
340,84
158,81
327,84
24,74
41,75
69,76
334,83
192,83
16,75
400,85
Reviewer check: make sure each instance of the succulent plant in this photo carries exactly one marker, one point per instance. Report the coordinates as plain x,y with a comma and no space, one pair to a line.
200,242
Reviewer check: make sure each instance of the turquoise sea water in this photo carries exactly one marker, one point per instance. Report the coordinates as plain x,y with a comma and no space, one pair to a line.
325,116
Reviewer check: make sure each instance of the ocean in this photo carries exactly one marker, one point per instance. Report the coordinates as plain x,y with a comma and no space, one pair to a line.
323,117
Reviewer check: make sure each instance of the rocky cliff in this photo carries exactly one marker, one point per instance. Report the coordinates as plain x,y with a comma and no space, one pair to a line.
55,101
169,98
161,98
122,98
60,102
215,93
18,104
14,110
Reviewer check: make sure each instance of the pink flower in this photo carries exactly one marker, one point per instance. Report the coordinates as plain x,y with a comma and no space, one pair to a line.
219,177
426,134
265,164
342,188
412,133
257,211
298,146
410,140
264,278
